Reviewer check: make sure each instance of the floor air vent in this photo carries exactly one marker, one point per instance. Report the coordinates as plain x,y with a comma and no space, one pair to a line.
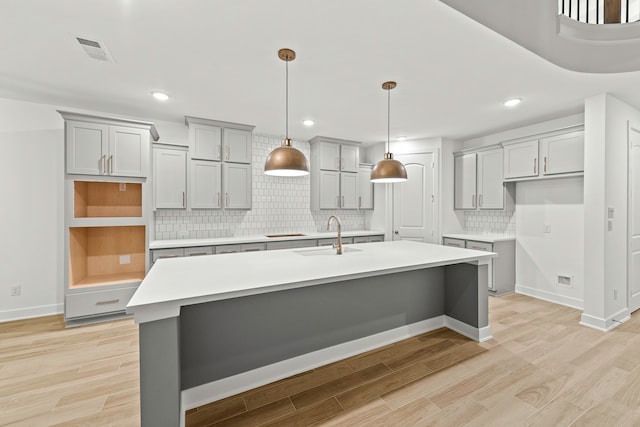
95,49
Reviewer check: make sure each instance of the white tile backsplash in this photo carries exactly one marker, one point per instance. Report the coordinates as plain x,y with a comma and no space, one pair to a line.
490,222
279,205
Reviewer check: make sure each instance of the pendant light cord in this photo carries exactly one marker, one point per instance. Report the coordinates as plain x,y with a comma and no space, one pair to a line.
388,120
287,100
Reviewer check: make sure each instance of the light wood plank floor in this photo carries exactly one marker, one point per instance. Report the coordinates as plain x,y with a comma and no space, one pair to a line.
540,369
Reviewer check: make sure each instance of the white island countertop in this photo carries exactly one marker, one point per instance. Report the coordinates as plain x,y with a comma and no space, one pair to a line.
261,238
176,282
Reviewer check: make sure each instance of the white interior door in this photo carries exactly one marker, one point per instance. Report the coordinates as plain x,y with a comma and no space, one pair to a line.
634,218
414,200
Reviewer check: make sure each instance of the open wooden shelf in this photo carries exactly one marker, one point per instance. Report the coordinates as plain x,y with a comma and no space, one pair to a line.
94,199
95,255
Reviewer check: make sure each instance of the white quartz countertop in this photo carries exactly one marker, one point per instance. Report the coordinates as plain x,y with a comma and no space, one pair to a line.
489,238
174,282
185,243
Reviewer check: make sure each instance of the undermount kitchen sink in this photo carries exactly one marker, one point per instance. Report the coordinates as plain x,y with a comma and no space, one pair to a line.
272,236
326,251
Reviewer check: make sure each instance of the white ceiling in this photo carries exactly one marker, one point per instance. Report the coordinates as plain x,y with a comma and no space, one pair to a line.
218,59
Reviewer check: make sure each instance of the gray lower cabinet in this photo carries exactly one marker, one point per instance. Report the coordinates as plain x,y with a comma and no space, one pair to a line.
157,254
502,269
291,244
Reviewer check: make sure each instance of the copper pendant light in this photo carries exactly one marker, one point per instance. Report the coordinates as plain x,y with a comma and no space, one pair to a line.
388,170
286,160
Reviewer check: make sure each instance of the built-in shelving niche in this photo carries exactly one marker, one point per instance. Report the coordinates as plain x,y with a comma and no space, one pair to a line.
106,255
94,199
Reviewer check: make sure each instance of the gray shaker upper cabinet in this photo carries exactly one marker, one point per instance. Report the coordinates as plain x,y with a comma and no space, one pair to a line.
107,146
551,155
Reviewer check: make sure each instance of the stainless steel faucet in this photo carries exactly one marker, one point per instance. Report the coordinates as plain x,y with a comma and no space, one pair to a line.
338,246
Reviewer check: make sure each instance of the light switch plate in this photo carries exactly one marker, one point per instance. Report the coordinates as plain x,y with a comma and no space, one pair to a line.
123,186
125,259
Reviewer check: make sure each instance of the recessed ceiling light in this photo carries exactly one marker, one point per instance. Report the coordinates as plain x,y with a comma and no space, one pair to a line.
308,122
512,102
401,138
160,96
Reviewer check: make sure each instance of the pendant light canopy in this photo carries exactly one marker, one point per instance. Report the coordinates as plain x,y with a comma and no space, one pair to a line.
286,160
388,170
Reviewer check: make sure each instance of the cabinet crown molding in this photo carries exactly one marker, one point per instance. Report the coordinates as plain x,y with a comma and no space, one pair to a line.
542,135
116,121
316,139
218,123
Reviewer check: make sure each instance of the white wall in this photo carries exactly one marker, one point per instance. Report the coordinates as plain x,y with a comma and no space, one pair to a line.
605,183
540,255
31,218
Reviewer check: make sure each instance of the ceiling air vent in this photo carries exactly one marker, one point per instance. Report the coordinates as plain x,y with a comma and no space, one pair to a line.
95,49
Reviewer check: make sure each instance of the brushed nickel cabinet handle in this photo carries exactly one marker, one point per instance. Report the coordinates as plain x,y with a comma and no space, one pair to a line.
198,253
111,164
359,201
252,250
183,199
218,199
104,164
167,256
343,201
338,201
473,200
535,166
111,301
545,164
226,196
228,152
480,200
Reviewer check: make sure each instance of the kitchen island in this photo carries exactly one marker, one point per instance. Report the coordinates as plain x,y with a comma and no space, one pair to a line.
214,326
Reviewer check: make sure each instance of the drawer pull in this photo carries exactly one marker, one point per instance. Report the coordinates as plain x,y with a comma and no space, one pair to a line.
198,253
252,250
535,166
545,164
228,252
167,256
111,301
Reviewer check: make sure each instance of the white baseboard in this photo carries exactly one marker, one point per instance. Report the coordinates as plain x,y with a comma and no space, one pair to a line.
30,312
480,335
551,297
607,324
216,390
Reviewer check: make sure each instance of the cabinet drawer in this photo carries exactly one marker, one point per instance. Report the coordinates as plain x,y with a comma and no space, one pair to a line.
290,244
457,243
99,302
198,251
376,238
228,249
480,246
157,254
361,239
253,247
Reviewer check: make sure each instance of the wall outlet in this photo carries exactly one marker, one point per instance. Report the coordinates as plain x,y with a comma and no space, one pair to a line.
564,280
610,213
16,291
125,259
610,226
123,186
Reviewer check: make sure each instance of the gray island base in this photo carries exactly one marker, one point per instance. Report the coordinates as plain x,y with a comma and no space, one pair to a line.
237,337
